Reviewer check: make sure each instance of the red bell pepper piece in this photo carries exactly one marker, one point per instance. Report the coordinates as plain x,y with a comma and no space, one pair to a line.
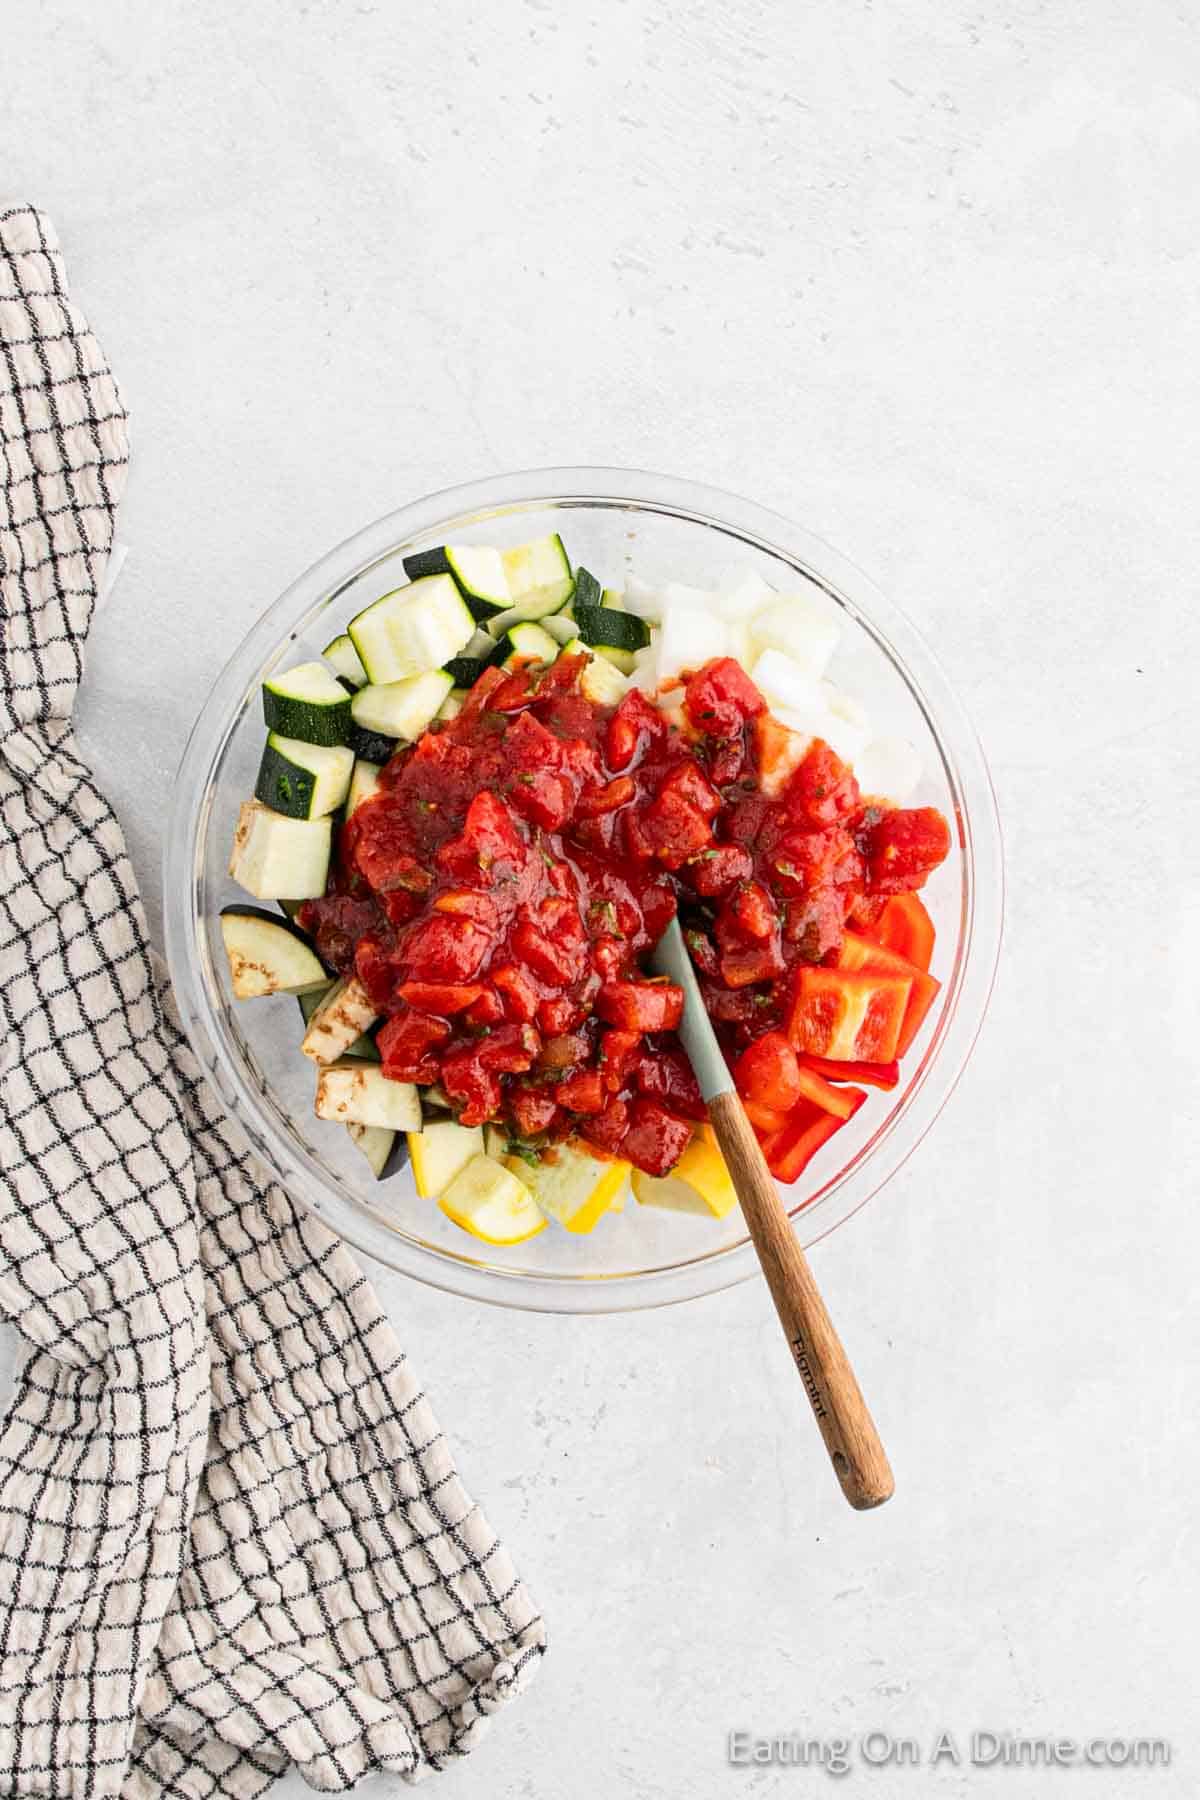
847,1015
876,1075
765,1120
788,1152
861,955
906,928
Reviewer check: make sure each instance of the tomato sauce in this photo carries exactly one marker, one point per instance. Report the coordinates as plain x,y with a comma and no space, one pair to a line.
498,895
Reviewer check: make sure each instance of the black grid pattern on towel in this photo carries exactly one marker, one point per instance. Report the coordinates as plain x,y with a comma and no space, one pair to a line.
232,1536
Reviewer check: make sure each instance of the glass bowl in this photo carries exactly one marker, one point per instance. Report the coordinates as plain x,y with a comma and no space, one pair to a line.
615,521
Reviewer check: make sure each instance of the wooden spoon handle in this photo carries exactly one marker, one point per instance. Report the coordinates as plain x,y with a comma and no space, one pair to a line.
859,1459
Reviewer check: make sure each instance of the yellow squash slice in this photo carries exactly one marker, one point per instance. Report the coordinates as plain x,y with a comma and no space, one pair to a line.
489,1201
699,1182
576,1189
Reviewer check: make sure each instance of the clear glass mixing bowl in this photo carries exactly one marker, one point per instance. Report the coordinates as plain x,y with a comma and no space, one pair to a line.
615,521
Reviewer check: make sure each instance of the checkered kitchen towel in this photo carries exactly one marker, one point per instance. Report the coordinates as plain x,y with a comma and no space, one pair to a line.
232,1536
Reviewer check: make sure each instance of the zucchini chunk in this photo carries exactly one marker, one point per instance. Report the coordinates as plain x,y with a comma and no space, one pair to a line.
540,566
478,573
588,591
342,1015
364,1047
276,858
344,659
600,681
363,783
452,705
411,631
372,746
267,955
402,709
303,781
438,1151
464,671
376,1143
606,628
359,1093
307,703
526,643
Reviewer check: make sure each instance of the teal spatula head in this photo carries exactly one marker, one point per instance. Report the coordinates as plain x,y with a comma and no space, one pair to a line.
670,958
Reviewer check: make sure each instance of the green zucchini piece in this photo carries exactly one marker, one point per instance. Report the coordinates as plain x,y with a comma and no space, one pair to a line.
478,573
412,631
402,709
303,781
268,956
363,783
542,564
372,746
588,591
275,858
526,643
604,628
464,671
308,703
345,661
600,681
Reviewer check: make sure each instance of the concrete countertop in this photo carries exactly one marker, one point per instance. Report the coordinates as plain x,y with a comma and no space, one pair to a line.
923,277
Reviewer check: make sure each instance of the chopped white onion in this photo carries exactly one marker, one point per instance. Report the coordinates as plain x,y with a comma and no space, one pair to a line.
803,626
743,596
888,769
642,599
779,678
688,638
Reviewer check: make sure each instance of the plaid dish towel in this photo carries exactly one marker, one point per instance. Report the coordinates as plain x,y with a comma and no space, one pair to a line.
232,1536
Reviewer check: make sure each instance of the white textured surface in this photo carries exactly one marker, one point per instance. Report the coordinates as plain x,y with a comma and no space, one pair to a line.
924,276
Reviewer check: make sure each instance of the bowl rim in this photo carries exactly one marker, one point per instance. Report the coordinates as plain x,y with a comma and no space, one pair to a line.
975,816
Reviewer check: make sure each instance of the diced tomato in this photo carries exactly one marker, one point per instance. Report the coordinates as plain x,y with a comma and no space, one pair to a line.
904,848
404,1043
445,950
442,997
468,1080
767,1073
634,725
558,1013
553,962
715,870
566,1051
582,1092
641,1005
606,799
518,992
877,1075
727,759
721,697
485,1011
743,964
751,908
489,844
687,782
607,1130
510,1050
656,1139
905,927
543,796
702,951
674,829
823,790
848,1016
860,953
666,1075
534,1110
788,1152
618,1050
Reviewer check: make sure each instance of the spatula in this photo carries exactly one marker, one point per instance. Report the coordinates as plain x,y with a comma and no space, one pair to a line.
859,1459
